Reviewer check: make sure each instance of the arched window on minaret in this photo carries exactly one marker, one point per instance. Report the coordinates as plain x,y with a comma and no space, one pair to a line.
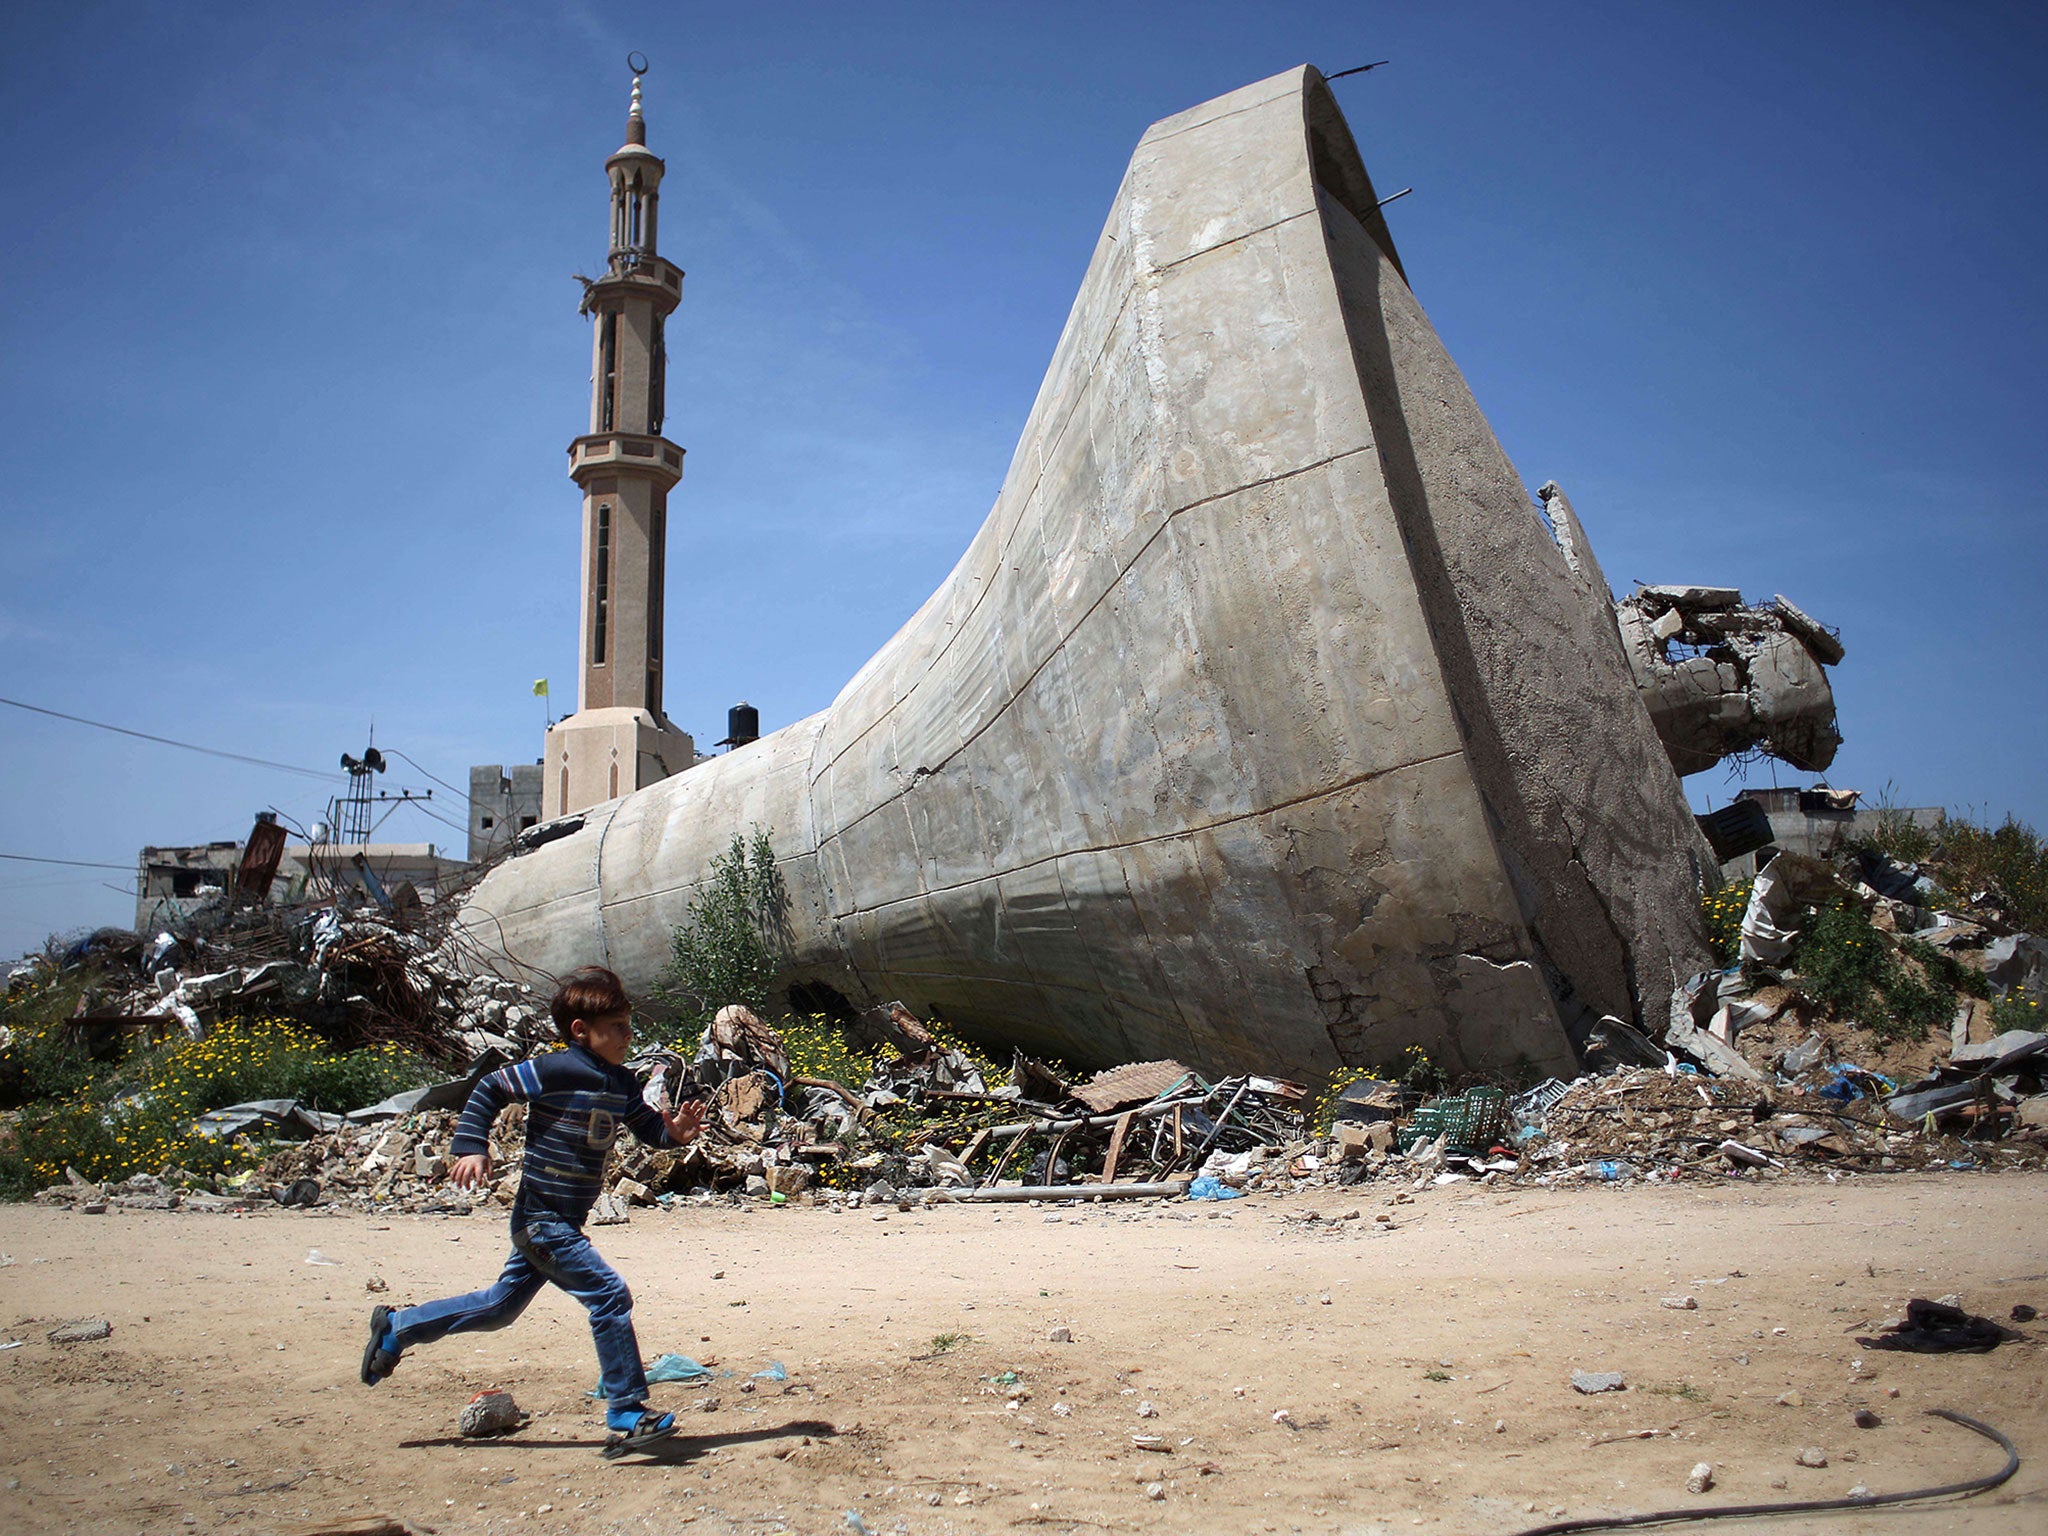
608,387
601,594
657,377
638,206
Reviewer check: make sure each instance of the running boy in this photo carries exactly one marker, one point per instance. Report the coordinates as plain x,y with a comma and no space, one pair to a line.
577,1100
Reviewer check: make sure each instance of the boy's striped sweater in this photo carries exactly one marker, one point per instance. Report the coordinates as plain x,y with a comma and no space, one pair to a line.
576,1105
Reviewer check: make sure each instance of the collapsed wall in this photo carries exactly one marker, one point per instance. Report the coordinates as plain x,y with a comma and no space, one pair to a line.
1264,722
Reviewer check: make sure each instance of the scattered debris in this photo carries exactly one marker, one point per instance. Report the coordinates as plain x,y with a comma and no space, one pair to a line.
1598,1381
1934,1328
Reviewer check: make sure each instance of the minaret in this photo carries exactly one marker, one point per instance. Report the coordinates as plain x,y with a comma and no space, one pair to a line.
619,740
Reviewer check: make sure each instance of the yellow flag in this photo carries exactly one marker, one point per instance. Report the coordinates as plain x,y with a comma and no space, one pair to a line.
540,687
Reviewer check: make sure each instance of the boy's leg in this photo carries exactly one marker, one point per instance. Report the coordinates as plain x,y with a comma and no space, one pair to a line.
492,1307
565,1256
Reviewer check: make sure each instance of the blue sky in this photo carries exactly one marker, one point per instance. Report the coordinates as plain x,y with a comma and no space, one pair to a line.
289,351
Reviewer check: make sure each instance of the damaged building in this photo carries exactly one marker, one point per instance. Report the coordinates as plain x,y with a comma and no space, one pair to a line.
1268,720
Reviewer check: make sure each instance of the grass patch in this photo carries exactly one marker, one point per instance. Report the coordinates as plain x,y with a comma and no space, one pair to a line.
1897,835
942,1342
1684,1389
135,1116
1723,911
1435,1375
1853,971
2010,861
2018,1009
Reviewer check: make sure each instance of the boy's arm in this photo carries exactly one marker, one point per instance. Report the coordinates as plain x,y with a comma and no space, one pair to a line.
491,1094
644,1123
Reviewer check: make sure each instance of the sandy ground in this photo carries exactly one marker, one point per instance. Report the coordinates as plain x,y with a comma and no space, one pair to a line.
1422,1363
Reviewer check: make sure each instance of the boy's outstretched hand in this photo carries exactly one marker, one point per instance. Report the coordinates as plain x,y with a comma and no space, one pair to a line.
684,1121
471,1172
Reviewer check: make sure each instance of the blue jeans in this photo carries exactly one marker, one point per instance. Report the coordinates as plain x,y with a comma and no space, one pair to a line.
545,1250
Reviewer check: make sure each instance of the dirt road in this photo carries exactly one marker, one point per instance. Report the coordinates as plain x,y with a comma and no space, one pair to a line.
1406,1368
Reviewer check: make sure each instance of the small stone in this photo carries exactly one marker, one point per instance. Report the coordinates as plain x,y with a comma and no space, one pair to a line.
1812,1456
1155,1491
718,1274
489,1413
709,1405
1060,1336
1865,1419
879,1216
1701,1479
1148,1409
376,1284
1062,1410
1681,1303
1598,1381
1500,1426
1791,1400
94,1207
1859,1492
82,1332
1891,1391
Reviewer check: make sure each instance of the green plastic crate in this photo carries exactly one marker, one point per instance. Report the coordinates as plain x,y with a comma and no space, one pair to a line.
1469,1122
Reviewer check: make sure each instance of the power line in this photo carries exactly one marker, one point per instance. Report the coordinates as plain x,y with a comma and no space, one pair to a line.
31,858
122,730
440,781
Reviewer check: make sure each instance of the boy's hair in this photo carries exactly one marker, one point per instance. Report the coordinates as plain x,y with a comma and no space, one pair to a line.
590,993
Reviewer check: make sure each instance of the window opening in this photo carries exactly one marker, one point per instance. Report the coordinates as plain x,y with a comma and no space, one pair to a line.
601,598
608,389
658,561
657,377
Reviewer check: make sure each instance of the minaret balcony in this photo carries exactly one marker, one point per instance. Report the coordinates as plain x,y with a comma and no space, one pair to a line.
655,458
637,274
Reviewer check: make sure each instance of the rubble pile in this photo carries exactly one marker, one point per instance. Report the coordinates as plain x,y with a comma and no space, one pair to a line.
358,977
1762,1075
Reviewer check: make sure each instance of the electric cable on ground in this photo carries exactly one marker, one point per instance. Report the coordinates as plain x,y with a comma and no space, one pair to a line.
1808,1506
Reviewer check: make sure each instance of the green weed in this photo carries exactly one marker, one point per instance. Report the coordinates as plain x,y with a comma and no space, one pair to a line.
725,950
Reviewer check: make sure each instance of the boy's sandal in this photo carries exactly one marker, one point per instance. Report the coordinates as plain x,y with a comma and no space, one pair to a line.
651,1427
378,1362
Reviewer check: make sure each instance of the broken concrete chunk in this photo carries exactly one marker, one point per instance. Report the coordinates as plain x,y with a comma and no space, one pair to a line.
1812,1456
1825,644
1701,1479
84,1332
1695,599
1590,1382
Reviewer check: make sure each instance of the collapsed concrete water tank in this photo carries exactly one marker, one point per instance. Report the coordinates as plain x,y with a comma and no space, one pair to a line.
1262,724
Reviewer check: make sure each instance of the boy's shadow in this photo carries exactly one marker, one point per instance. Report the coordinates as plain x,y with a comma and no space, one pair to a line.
678,1450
